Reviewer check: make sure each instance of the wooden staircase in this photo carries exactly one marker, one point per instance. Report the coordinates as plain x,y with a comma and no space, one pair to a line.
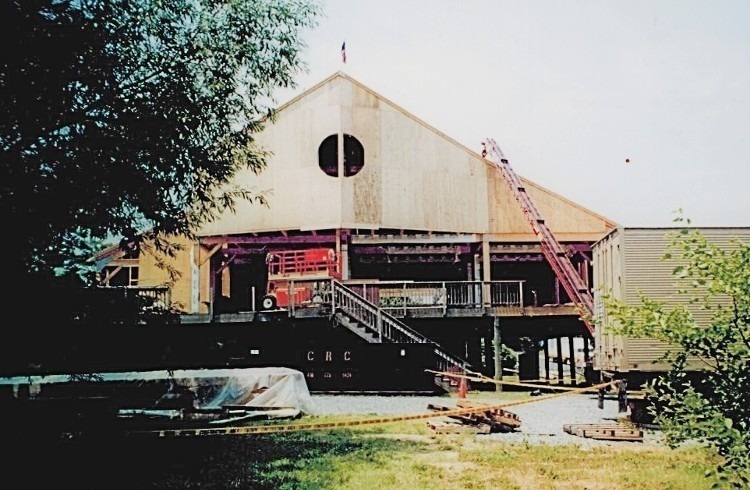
374,325
360,329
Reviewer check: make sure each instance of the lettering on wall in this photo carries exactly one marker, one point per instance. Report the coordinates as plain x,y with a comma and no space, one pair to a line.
336,364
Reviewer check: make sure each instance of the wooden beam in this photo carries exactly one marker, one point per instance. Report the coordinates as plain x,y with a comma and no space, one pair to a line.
270,240
211,253
123,263
111,274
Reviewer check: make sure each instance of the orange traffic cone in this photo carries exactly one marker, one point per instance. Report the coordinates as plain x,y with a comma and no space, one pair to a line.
462,388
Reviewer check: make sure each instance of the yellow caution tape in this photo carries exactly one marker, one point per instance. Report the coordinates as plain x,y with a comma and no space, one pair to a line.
484,379
275,429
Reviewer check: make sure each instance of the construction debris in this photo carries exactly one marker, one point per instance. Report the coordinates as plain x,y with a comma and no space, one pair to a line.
607,431
447,426
488,421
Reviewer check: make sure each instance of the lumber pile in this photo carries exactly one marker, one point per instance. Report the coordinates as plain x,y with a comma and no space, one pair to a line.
608,431
487,421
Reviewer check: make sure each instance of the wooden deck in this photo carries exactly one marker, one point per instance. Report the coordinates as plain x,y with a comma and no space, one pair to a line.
416,312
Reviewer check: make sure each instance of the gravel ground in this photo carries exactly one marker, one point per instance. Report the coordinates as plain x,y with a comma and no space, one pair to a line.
541,421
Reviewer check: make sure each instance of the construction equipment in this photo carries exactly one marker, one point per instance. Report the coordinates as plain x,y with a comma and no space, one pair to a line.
555,254
306,267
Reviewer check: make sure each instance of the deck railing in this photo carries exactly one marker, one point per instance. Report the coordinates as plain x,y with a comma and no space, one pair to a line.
401,297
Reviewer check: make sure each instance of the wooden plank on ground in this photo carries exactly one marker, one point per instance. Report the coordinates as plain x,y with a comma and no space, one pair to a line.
450,427
610,432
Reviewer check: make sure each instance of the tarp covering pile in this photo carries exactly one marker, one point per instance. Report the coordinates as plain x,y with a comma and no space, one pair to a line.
267,387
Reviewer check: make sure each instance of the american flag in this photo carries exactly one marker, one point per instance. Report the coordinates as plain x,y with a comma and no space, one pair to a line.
343,52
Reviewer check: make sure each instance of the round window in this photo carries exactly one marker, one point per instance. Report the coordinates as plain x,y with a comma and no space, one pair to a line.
328,156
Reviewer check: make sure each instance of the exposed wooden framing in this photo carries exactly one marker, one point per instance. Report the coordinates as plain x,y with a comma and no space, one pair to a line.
210,254
517,258
226,264
344,255
112,274
415,238
123,263
451,250
486,259
268,240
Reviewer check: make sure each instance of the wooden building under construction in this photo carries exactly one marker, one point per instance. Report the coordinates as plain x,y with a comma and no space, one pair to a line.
431,255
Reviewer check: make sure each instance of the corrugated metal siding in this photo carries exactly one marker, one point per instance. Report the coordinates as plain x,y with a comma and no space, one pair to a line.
607,259
643,354
641,268
646,272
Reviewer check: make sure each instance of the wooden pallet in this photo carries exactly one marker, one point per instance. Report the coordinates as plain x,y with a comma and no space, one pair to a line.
606,431
445,426
509,420
495,420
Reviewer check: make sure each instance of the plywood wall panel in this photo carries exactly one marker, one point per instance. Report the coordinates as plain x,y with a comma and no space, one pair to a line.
414,177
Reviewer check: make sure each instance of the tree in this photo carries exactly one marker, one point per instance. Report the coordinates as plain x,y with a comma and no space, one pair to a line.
709,403
130,117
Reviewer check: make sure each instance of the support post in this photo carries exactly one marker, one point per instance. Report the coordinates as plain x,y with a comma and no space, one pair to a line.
497,341
488,351
560,373
588,368
486,272
546,360
333,297
345,256
572,354
486,259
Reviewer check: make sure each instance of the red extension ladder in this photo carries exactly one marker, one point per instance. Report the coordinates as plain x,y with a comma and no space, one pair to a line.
555,254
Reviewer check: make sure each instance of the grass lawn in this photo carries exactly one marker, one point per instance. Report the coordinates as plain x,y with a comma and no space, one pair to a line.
399,455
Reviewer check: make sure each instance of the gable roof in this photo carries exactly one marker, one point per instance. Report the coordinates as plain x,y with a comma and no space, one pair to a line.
341,75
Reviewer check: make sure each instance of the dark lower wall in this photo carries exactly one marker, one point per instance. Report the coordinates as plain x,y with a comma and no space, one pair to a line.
332,358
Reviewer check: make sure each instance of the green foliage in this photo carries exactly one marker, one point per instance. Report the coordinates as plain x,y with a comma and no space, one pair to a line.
119,118
509,357
710,404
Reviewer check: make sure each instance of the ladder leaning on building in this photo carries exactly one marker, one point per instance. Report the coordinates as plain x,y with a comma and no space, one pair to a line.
557,257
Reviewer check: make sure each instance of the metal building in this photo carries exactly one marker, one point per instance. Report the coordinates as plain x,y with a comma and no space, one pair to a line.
631,260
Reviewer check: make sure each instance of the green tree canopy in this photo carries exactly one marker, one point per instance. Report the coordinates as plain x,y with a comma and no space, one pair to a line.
708,402
124,116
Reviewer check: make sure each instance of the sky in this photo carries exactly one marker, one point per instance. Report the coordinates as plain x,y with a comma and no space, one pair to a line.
570,90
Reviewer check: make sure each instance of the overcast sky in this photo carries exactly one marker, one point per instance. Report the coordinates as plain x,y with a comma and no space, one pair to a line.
569,90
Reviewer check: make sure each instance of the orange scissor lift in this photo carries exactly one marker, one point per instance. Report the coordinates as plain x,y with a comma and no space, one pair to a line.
294,276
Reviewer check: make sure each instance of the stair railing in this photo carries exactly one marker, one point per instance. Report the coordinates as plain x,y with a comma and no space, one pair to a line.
387,326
